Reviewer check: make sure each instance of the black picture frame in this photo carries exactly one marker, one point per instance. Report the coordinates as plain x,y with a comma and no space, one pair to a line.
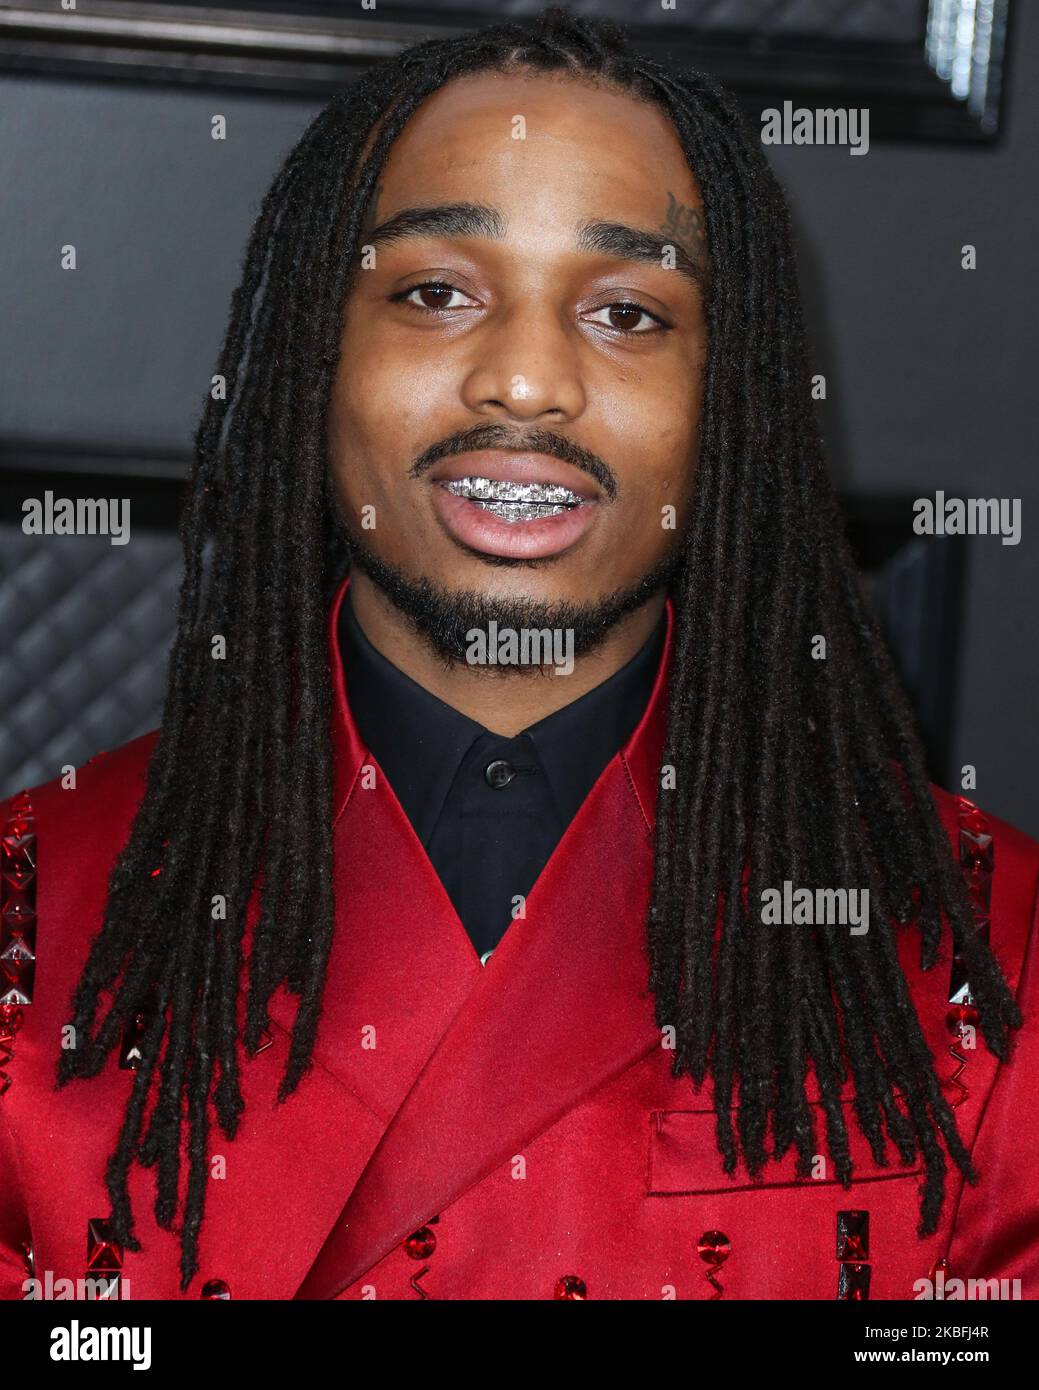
921,83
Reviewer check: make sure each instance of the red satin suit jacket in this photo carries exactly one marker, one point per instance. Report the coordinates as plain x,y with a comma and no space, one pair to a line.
508,1132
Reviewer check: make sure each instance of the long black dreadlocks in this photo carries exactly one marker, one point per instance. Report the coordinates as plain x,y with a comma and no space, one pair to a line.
806,770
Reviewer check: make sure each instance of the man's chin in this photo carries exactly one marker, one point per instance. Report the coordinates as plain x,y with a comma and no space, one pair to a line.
446,618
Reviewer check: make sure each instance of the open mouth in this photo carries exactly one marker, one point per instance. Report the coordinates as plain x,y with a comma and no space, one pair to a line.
512,501
514,505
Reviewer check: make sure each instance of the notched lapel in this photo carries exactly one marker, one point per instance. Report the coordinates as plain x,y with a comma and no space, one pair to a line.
401,964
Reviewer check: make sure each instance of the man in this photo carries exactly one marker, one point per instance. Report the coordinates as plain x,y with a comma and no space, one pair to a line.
526,723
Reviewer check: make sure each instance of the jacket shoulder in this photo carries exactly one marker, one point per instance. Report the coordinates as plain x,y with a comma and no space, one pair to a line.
68,833
94,805
1006,866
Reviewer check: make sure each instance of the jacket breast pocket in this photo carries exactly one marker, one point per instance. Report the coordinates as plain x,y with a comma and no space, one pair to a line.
684,1157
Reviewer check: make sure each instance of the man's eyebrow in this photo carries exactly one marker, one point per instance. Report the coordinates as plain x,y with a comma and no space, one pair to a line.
478,220
634,244
443,220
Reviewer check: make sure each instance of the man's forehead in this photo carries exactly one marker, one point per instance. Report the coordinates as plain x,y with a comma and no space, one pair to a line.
497,126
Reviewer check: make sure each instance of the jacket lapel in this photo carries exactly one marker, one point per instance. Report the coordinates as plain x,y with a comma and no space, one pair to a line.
401,963
561,1007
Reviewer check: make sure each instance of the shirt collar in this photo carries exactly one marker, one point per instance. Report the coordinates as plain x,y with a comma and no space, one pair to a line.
420,741
417,739
640,752
576,742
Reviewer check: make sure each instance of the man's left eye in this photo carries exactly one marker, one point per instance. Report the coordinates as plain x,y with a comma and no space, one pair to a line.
631,313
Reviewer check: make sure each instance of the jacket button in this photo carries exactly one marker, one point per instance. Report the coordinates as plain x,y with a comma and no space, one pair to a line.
420,1244
215,1288
498,774
571,1287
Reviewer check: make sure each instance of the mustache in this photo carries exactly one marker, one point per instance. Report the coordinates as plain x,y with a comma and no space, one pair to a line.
536,441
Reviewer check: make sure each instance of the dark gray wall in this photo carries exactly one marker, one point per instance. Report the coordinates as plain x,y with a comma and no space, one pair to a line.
930,368
932,373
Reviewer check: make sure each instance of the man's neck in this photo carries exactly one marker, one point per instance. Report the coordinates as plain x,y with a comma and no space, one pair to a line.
504,703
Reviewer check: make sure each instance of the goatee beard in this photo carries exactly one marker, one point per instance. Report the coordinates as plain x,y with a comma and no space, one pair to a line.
446,618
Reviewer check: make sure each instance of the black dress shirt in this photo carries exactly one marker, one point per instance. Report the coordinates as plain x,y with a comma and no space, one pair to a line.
488,810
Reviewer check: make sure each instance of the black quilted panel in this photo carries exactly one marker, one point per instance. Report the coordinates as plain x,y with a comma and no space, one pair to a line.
87,629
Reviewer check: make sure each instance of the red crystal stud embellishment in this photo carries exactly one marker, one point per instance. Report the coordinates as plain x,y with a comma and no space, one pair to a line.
714,1248
104,1253
852,1248
853,1284
853,1235
420,1244
571,1288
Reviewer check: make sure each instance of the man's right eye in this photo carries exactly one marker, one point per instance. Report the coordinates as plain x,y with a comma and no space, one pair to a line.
434,286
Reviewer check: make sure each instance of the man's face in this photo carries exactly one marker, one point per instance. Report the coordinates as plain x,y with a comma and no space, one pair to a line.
508,339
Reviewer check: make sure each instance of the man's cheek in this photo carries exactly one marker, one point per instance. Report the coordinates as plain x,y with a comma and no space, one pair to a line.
369,487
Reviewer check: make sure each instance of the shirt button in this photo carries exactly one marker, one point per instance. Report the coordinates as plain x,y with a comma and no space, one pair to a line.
499,773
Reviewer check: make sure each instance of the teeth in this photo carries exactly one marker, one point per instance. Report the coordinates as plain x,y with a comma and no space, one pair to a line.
534,499
522,511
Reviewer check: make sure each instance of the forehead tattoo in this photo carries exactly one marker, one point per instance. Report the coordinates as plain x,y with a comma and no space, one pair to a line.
686,225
